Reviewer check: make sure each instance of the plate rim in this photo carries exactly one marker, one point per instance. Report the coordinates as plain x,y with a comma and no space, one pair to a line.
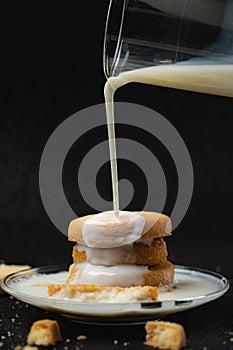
63,268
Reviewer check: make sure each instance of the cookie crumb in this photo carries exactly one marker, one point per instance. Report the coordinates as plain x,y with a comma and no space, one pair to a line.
29,347
44,332
165,335
81,337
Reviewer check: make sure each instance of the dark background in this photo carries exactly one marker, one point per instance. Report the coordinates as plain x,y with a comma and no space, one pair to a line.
51,68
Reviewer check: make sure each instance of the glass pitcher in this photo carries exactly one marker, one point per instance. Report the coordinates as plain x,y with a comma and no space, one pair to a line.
184,44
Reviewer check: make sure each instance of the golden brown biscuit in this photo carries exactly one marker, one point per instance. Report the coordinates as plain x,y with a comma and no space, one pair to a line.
90,292
78,254
156,225
165,335
153,254
44,332
161,274
139,253
7,269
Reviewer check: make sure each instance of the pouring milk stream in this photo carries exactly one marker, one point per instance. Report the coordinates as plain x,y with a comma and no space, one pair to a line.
203,75
213,78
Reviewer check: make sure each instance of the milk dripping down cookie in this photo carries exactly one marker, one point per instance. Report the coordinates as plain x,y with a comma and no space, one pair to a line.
117,259
128,250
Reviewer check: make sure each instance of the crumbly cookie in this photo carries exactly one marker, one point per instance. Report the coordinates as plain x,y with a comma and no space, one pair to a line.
139,253
7,269
161,274
89,292
156,225
165,335
44,332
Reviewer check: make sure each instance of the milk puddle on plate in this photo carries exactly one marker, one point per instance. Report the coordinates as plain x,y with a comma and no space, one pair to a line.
188,285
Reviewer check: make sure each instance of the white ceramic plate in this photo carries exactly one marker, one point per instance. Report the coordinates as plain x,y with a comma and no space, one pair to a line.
194,287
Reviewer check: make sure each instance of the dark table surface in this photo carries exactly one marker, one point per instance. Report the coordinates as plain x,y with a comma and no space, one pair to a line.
52,68
208,327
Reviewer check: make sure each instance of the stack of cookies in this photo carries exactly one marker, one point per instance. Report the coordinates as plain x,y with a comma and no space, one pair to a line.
141,263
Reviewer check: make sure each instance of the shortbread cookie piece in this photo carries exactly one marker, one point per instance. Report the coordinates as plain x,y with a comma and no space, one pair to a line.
165,335
44,332
156,225
93,293
151,254
7,269
121,275
140,253
160,275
